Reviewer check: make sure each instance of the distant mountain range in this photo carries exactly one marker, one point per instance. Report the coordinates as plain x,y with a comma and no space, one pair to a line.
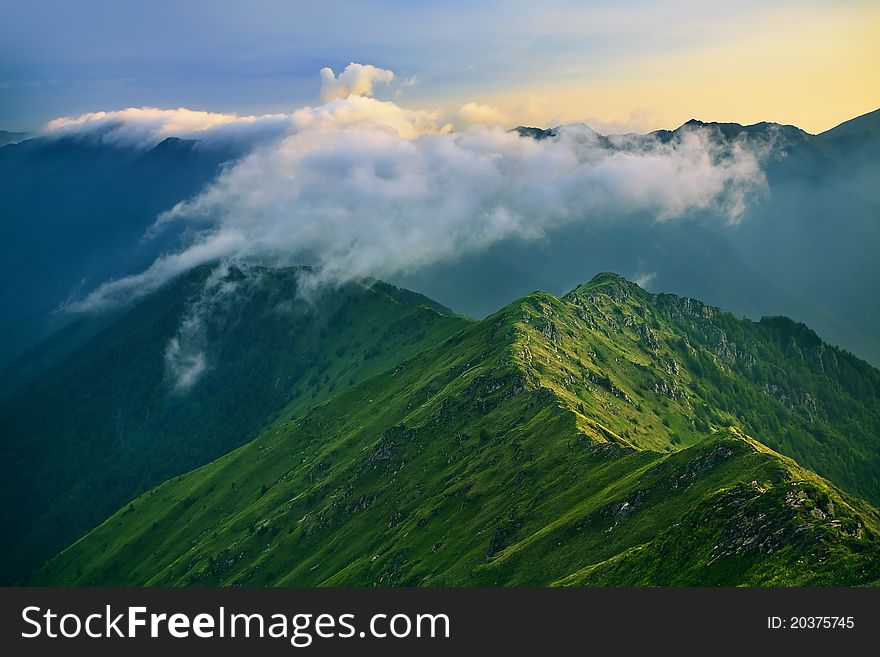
608,437
7,137
75,210
805,249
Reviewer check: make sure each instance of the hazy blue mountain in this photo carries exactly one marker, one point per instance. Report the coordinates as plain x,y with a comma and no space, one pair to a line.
860,129
7,137
806,248
72,215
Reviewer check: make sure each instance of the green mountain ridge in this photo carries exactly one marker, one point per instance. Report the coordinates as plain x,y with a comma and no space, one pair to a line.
179,379
600,438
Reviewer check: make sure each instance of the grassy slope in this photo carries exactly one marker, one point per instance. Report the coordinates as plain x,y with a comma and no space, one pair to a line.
687,367
106,423
557,441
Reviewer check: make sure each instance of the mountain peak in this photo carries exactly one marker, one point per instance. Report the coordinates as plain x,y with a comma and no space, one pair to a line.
170,142
608,276
607,281
731,130
535,133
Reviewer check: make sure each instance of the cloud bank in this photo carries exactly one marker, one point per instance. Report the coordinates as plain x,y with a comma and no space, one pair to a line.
347,99
146,126
362,187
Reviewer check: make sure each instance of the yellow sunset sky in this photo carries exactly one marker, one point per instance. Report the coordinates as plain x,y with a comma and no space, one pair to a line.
617,65
814,68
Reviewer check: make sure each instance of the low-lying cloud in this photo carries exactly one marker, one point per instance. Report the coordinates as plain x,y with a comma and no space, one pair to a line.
187,351
146,126
363,187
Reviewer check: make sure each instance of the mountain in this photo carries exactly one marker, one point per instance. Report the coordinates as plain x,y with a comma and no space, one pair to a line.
7,137
608,437
75,209
862,128
74,212
805,247
537,134
858,142
182,377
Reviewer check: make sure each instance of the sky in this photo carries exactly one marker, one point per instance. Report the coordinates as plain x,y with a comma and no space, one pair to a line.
617,65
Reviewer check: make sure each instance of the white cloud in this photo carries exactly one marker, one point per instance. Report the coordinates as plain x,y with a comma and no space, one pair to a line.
368,113
405,84
145,126
184,364
347,97
355,80
209,246
359,187
357,199
186,354
645,279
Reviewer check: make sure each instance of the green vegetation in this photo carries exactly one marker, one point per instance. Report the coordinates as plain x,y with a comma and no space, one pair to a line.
111,420
585,440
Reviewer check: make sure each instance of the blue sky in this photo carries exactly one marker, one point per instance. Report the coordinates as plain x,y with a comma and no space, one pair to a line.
627,64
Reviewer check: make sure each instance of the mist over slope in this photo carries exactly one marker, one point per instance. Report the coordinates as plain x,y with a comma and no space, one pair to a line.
180,378
589,439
